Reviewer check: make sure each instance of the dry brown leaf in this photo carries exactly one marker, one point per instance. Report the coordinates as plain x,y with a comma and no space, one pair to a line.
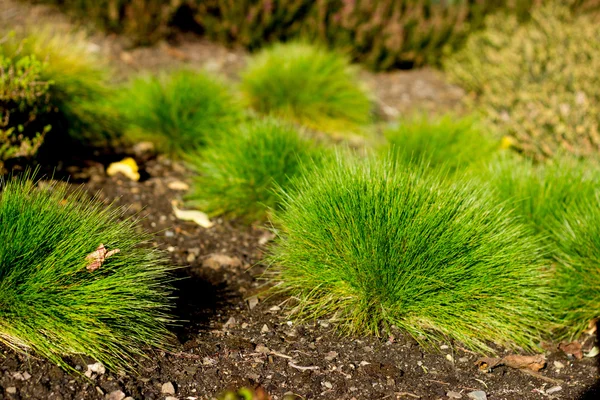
98,256
573,348
592,326
533,363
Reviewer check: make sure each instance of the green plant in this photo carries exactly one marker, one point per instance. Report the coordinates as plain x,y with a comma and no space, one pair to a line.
72,92
61,293
306,84
538,191
23,95
576,231
449,141
179,111
372,244
537,81
238,174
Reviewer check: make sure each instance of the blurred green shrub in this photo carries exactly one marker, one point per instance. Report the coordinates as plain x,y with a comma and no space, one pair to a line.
52,80
449,142
538,81
23,95
309,85
178,111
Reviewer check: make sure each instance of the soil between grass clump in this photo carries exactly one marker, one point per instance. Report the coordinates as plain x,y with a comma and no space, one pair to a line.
223,343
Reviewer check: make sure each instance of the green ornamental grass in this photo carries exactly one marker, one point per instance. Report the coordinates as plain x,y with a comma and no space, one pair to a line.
179,111
61,294
452,141
237,175
371,244
577,277
306,84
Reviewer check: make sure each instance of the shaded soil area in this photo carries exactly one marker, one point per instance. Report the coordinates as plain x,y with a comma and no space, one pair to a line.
231,335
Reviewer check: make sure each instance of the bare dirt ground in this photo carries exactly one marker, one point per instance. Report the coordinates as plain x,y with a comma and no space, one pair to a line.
230,334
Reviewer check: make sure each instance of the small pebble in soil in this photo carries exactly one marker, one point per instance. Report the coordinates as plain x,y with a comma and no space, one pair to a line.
463,359
264,329
454,395
167,388
558,365
116,395
554,389
11,390
477,395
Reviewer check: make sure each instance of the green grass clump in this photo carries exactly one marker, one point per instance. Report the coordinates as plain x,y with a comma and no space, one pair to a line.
537,81
238,174
372,244
577,277
559,200
79,93
307,84
538,192
449,141
179,111
52,304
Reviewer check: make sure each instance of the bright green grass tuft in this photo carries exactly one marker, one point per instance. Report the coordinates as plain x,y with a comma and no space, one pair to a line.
238,174
540,191
577,276
559,200
179,111
51,304
452,141
309,85
371,244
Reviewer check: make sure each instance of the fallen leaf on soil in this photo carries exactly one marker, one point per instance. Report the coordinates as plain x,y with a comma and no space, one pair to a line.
192,215
593,352
592,327
573,348
98,256
178,185
127,167
533,363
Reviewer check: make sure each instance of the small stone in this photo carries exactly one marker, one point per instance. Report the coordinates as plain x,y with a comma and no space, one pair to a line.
116,395
26,375
171,398
558,365
190,258
252,302
96,368
99,390
216,261
194,250
11,390
331,356
477,395
261,348
169,234
449,357
328,385
178,185
554,389
264,329
454,395
230,323
275,308
167,388
244,325
463,359
128,398
445,347
170,249
363,363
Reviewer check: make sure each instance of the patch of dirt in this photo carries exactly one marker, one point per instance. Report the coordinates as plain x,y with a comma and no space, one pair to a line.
223,342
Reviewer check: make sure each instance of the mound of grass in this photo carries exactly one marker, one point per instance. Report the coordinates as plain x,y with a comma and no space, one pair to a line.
577,277
307,84
179,111
451,141
79,93
538,192
371,244
61,295
238,174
